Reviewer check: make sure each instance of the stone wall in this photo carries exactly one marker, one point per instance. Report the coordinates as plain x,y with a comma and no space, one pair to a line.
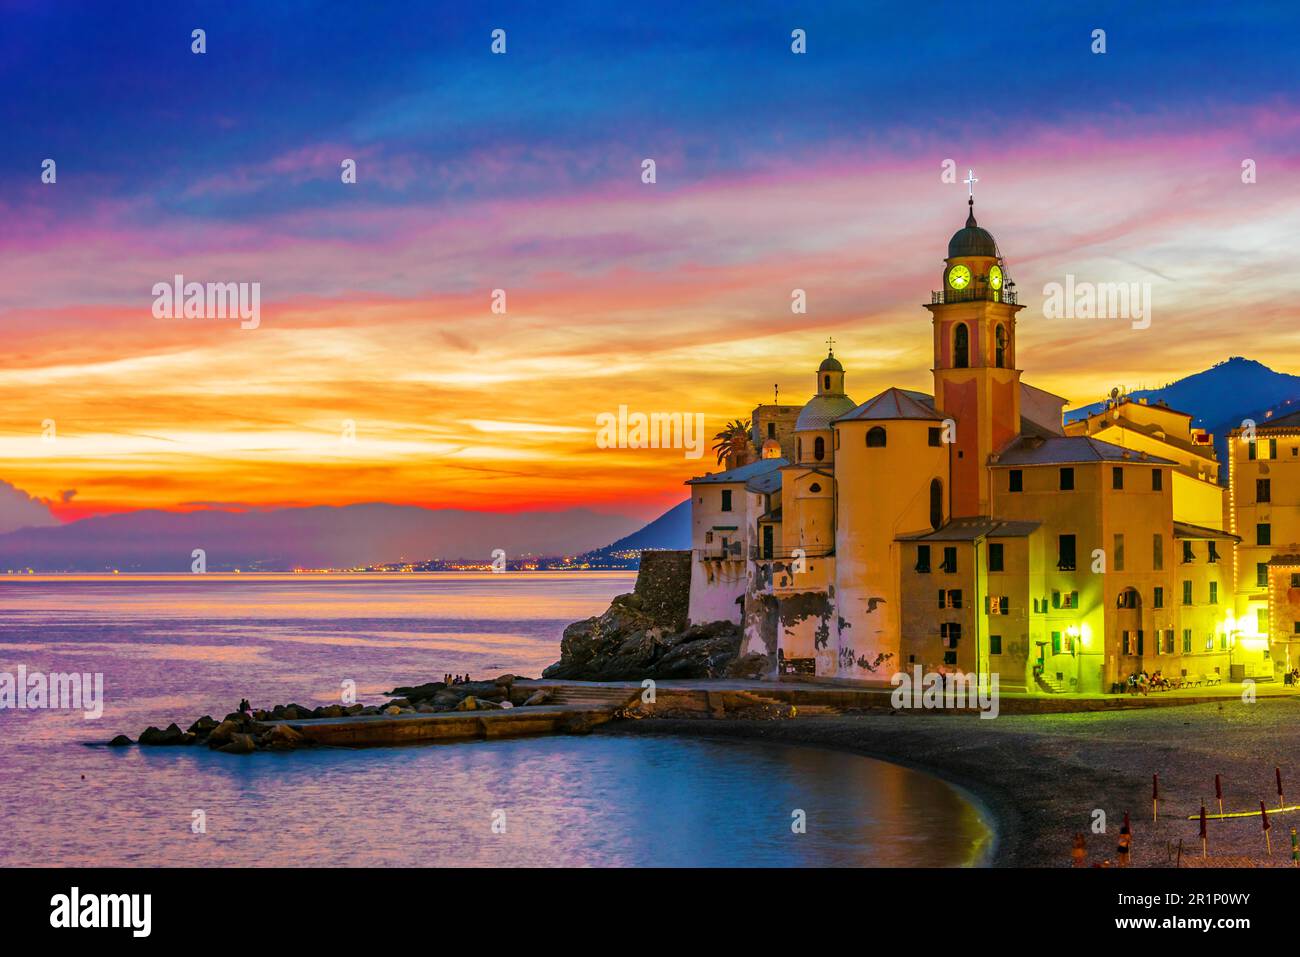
664,586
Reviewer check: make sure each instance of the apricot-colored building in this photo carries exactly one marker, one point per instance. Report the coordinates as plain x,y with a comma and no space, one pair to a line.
972,530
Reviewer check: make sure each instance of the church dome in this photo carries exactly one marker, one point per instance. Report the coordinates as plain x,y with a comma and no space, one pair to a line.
821,410
830,364
771,449
972,240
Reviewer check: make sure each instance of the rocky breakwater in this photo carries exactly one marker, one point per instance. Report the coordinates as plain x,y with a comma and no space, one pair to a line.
637,638
248,729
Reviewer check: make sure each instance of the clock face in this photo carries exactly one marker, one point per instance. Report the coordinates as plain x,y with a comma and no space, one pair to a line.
995,277
959,277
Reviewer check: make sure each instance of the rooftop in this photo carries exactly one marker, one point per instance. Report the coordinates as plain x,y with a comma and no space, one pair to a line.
893,404
1070,450
742,474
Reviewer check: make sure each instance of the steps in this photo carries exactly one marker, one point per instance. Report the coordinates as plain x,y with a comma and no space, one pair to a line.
594,696
1050,685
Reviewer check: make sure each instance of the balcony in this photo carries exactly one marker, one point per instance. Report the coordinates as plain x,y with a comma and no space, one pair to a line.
948,296
732,552
757,553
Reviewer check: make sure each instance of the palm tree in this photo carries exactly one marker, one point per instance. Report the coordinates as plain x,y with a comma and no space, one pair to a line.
733,441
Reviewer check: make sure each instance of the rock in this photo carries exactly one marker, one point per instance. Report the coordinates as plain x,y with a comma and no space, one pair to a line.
333,711
222,733
425,708
371,710
541,696
204,725
468,703
354,709
290,714
392,709
750,666
447,700
483,704
579,722
239,744
121,741
284,738
506,680
398,703
419,692
172,735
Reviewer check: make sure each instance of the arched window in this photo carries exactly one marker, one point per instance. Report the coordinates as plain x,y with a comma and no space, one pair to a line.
936,503
1000,347
798,449
876,437
826,383
819,448
961,347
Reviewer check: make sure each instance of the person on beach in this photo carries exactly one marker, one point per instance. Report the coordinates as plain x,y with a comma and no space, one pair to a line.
1125,839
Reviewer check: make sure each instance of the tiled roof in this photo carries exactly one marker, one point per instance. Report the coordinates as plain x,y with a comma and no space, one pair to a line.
969,529
1069,450
1285,561
742,474
892,404
766,483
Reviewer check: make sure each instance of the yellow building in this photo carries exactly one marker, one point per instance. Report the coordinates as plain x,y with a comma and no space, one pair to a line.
1264,508
971,530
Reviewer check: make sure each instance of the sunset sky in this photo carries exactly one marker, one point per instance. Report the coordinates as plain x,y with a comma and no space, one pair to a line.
522,172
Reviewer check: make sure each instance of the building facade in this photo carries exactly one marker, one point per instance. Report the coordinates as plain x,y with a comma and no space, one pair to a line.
972,530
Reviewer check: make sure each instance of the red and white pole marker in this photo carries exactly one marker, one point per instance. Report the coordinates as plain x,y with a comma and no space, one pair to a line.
1218,792
1263,813
1280,800
1203,841
1155,796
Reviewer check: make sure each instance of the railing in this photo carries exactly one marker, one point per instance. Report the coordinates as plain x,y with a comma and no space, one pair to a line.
944,296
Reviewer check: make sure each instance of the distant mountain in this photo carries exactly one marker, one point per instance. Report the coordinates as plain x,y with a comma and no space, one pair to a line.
1221,397
317,537
672,529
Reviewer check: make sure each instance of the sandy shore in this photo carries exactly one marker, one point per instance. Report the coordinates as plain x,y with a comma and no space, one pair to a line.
1040,777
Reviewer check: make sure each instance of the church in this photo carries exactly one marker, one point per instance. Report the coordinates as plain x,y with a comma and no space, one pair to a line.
972,529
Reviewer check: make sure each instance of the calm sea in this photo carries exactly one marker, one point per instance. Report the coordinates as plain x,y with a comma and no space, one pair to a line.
174,647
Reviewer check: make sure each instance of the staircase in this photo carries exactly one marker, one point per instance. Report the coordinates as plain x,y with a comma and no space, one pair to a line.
595,696
1050,685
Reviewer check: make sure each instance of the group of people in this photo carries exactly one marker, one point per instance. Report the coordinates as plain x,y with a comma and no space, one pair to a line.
1291,677
1141,682
450,679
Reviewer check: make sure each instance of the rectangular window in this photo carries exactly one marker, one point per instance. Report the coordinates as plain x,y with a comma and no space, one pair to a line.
995,556
1119,552
936,437
1141,639
1157,480
1213,552
1015,481
950,633
1223,641
1189,553
996,604
1214,593
1158,597
726,500
771,430
1117,478
1272,448
1209,642
1065,557
954,598
1187,592
1187,641
1070,599
995,644
1056,642
1263,490
1158,552
1263,534
1067,480
949,559
1295,579
923,559
1261,574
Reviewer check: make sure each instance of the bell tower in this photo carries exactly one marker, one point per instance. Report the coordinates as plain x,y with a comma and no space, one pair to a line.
976,381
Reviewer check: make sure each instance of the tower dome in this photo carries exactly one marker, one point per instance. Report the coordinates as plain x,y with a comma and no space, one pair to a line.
830,364
972,239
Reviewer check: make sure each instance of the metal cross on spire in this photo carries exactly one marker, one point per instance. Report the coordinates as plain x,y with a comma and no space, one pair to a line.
830,344
970,182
